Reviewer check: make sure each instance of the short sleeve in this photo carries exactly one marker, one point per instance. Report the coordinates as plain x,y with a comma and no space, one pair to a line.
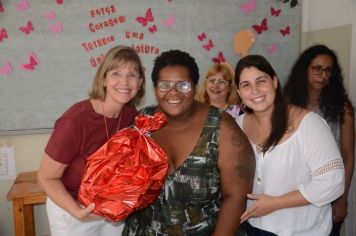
324,160
63,145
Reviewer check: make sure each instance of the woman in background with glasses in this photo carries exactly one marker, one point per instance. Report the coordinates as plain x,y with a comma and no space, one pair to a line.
316,83
211,164
219,89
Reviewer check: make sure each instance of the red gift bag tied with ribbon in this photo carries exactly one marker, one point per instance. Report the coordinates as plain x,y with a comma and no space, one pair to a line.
127,173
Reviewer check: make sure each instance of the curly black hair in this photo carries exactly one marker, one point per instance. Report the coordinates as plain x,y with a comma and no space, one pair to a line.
279,119
175,58
333,97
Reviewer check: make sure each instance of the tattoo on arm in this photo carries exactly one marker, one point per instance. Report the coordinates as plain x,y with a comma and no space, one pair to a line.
245,166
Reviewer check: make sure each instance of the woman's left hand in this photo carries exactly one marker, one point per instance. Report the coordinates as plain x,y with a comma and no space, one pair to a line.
264,205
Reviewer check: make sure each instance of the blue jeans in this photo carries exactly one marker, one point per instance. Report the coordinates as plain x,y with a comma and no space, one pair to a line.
253,231
336,229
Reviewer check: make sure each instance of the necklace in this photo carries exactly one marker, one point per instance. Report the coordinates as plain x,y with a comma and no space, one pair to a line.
106,125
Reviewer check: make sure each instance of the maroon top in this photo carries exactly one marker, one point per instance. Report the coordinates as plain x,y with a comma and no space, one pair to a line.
77,134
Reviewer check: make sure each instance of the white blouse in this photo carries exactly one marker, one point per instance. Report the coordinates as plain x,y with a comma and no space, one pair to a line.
308,161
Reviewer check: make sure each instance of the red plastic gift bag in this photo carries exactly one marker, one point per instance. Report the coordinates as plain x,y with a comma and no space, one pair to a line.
127,173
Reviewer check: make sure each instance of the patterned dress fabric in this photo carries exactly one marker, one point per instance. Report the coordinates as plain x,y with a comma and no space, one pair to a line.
190,199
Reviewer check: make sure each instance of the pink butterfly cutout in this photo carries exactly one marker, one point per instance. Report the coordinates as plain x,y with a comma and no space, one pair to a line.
169,22
273,49
260,28
248,7
275,12
201,36
50,15
209,45
5,70
59,2
219,59
32,64
285,31
152,29
28,28
1,7
22,6
57,28
144,20
3,34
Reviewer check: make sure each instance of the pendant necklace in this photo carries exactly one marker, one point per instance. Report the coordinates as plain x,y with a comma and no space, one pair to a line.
106,125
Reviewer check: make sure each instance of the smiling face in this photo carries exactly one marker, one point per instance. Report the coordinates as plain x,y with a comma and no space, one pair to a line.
257,89
217,88
173,103
122,83
319,72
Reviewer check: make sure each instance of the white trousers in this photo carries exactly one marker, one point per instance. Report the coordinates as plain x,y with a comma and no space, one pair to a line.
62,223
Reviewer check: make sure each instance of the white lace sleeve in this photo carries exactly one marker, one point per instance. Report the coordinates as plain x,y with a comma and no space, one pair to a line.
324,160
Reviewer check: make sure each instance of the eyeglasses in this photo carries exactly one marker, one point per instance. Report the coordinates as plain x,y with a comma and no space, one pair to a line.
221,82
118,75
318,70
181,86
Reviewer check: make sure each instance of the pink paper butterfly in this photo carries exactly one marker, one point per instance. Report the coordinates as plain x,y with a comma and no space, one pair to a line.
28,28
275,12
248,7
50,15
202,36
32,64
3,34
1,7
219,59
285,31
153,28
5,70
22,6
59,2
169,22
57,28
260,28
209,45
273,49
144,20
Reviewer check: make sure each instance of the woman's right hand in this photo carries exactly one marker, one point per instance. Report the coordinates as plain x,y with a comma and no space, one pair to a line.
85,214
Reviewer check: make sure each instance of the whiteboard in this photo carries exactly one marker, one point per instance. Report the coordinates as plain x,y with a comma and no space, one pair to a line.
50,50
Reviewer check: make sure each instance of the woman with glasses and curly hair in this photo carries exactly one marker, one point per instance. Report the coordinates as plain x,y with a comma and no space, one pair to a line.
211,163
316,83
218,89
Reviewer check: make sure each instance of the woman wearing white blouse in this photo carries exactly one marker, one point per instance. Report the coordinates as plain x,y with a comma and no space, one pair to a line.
299,168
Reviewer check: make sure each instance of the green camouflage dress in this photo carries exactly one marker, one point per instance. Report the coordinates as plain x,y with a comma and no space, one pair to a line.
190,200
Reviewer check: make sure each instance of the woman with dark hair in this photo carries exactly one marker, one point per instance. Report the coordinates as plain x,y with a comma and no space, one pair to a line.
316,83
211,163
299,168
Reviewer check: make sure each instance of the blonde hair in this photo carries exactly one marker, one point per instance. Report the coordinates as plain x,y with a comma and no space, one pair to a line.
113,58
227,74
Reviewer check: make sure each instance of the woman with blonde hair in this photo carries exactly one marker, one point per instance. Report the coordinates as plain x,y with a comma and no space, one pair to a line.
218,89
117,87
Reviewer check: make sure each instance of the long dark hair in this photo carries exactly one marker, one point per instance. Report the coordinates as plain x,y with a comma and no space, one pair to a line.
333,96
279,119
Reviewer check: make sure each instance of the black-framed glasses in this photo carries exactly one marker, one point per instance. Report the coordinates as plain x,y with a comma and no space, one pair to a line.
181,86
318,70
